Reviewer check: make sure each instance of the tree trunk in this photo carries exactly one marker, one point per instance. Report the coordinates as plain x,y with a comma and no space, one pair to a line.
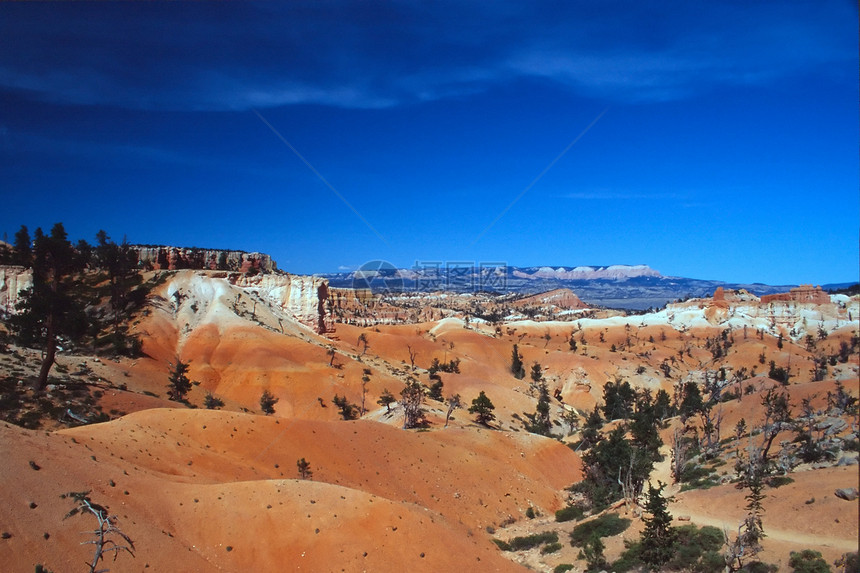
48,360
770,436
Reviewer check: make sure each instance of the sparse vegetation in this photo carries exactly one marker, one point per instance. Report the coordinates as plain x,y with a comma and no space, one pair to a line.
618,442
386,399
304,468
808,561
267,402
107,537
606,525
348,410
527,542
211,402
569,513
483,408
178,382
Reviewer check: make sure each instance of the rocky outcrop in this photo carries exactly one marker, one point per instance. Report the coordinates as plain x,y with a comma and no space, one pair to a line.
175,258
350,299
562,299
306,297
13,280
723,298
806,294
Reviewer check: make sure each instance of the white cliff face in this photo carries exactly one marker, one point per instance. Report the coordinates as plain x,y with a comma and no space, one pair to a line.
303,296
13,280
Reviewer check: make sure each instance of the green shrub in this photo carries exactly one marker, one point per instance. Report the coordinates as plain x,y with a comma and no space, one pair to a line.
530,541
212,402
550,548
527,542
562,568
603,526
697,548
698,477
849,562
630,558
530,513
569,513
698,551
808,561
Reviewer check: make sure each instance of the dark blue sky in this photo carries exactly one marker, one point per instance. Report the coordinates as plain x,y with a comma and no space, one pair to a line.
727,147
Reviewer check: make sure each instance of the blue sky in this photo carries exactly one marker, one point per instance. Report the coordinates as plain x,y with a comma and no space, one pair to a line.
714,140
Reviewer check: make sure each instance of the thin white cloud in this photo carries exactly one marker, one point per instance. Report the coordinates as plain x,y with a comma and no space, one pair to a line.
250,56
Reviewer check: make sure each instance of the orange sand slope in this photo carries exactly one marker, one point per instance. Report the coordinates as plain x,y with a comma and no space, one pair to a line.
803,514
188,484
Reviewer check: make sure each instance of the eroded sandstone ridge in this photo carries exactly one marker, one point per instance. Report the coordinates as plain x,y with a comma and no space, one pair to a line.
306,297
803,294
175,258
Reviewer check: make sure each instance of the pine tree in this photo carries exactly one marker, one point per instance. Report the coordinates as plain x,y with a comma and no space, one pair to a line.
517,364
537,373
348,411
48,309
692,402
120,262
593,554
386,399
662,405
571,419
643,429
179,383
267,402
304,468
22,252
591,431
539,422
483,408
659,538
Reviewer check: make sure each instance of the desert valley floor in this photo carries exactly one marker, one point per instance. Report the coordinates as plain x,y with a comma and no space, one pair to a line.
201,489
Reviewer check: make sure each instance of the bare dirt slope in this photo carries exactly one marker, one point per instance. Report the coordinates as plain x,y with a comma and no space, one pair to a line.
187,485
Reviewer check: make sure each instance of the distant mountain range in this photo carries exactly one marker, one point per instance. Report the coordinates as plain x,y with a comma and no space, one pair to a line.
633,287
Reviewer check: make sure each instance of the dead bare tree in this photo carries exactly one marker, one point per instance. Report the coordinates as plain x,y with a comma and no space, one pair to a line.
411,399
752,472
365,379
711,424
679,455
362,339
630,489
777,414
104,535
453,404
412,355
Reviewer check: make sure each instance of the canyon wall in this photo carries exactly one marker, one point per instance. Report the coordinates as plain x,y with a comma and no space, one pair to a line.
803,294
13,280
174,258
306,297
